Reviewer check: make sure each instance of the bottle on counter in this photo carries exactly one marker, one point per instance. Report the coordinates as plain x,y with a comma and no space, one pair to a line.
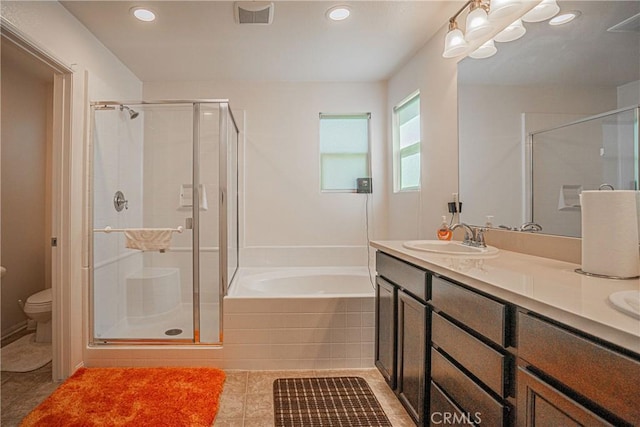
444,232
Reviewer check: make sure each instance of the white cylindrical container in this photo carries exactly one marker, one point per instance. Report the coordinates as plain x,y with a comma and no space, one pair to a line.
610,233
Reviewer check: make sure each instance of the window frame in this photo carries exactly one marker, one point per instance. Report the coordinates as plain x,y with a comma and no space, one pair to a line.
401,153
322,154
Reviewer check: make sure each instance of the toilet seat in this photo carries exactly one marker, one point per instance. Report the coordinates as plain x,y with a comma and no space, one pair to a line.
39,302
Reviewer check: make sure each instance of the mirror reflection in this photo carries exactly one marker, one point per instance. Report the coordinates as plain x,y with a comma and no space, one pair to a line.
521,158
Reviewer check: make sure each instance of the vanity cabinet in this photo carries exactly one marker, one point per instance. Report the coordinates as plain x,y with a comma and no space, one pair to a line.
402,331
458,356
568,378
470,364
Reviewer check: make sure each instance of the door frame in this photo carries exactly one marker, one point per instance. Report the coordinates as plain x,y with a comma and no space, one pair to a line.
61,260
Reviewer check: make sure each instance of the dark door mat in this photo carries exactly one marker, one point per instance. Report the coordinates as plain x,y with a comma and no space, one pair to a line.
334,401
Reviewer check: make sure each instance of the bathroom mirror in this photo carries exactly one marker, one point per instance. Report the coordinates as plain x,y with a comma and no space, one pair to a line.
552,76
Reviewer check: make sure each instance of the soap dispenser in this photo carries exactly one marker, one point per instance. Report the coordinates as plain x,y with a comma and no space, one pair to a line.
489,222
444,232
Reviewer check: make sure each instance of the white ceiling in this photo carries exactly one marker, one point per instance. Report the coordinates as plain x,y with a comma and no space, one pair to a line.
199,40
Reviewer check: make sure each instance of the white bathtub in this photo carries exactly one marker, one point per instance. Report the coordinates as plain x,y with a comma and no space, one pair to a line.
302,282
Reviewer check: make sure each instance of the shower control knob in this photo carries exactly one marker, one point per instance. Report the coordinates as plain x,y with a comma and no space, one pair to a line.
119,201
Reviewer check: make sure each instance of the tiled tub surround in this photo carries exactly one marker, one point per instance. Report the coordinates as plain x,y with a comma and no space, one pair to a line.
548,287
316,330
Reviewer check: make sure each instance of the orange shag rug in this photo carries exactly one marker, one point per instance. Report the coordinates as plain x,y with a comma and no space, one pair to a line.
133,397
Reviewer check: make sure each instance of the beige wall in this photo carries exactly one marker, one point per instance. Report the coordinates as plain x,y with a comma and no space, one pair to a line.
97,75
25,107
282,208
417,214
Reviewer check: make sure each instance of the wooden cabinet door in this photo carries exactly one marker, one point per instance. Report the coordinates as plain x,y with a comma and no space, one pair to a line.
412,356
541,405
385,356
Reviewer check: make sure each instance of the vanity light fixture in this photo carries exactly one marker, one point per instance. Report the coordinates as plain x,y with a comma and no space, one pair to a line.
454,42
486,50
143,14
564,18
501,8
338,13
511,33
543,11
478,24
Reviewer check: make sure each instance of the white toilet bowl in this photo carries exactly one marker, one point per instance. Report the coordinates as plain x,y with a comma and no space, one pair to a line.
38,308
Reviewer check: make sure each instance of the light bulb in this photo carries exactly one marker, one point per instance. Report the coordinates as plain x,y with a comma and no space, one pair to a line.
485,51
338,13
477,23
143,14
511,33
501,8
543,11
454,43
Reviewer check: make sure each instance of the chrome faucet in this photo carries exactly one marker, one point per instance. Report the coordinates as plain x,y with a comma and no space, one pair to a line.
531,226
473,236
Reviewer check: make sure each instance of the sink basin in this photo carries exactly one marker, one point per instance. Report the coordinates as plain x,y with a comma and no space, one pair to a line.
449,248
627,301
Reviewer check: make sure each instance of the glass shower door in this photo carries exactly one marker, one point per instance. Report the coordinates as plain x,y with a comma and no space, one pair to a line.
146,153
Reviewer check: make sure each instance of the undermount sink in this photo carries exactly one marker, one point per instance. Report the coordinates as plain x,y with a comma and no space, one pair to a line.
627,302
447,247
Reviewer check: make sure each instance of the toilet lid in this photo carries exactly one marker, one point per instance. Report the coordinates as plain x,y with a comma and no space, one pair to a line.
42,297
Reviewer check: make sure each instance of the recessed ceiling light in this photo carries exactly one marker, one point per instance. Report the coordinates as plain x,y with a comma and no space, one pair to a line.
338,13
143,14
564,18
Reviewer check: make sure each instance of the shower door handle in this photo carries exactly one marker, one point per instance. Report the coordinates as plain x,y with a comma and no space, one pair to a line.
188,223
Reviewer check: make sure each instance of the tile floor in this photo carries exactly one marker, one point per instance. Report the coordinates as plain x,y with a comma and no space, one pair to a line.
21,392
247,399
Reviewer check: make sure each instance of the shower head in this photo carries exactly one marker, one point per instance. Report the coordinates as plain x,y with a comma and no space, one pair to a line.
132,113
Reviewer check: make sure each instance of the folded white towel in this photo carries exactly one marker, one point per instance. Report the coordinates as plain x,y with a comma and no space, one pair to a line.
148,239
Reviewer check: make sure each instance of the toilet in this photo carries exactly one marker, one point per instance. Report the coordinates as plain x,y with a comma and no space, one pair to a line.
38,308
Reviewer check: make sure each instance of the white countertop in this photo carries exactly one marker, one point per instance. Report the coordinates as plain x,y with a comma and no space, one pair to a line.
548,287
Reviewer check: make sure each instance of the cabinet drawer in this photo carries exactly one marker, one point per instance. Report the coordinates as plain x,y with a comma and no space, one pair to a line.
478,312
467,394
402,274
478,358
445,412
607,378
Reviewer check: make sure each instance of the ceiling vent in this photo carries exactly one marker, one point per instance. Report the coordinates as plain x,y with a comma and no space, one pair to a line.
629,25
254,12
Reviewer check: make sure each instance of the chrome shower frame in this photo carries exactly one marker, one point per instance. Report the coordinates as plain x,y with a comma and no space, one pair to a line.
225,277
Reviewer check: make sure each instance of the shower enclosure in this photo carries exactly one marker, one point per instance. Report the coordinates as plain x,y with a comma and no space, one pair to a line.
601,151
164,232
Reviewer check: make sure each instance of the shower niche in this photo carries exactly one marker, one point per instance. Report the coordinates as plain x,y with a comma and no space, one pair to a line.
177,164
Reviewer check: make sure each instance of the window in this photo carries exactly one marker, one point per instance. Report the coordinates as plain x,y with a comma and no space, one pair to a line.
406,141
344,150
